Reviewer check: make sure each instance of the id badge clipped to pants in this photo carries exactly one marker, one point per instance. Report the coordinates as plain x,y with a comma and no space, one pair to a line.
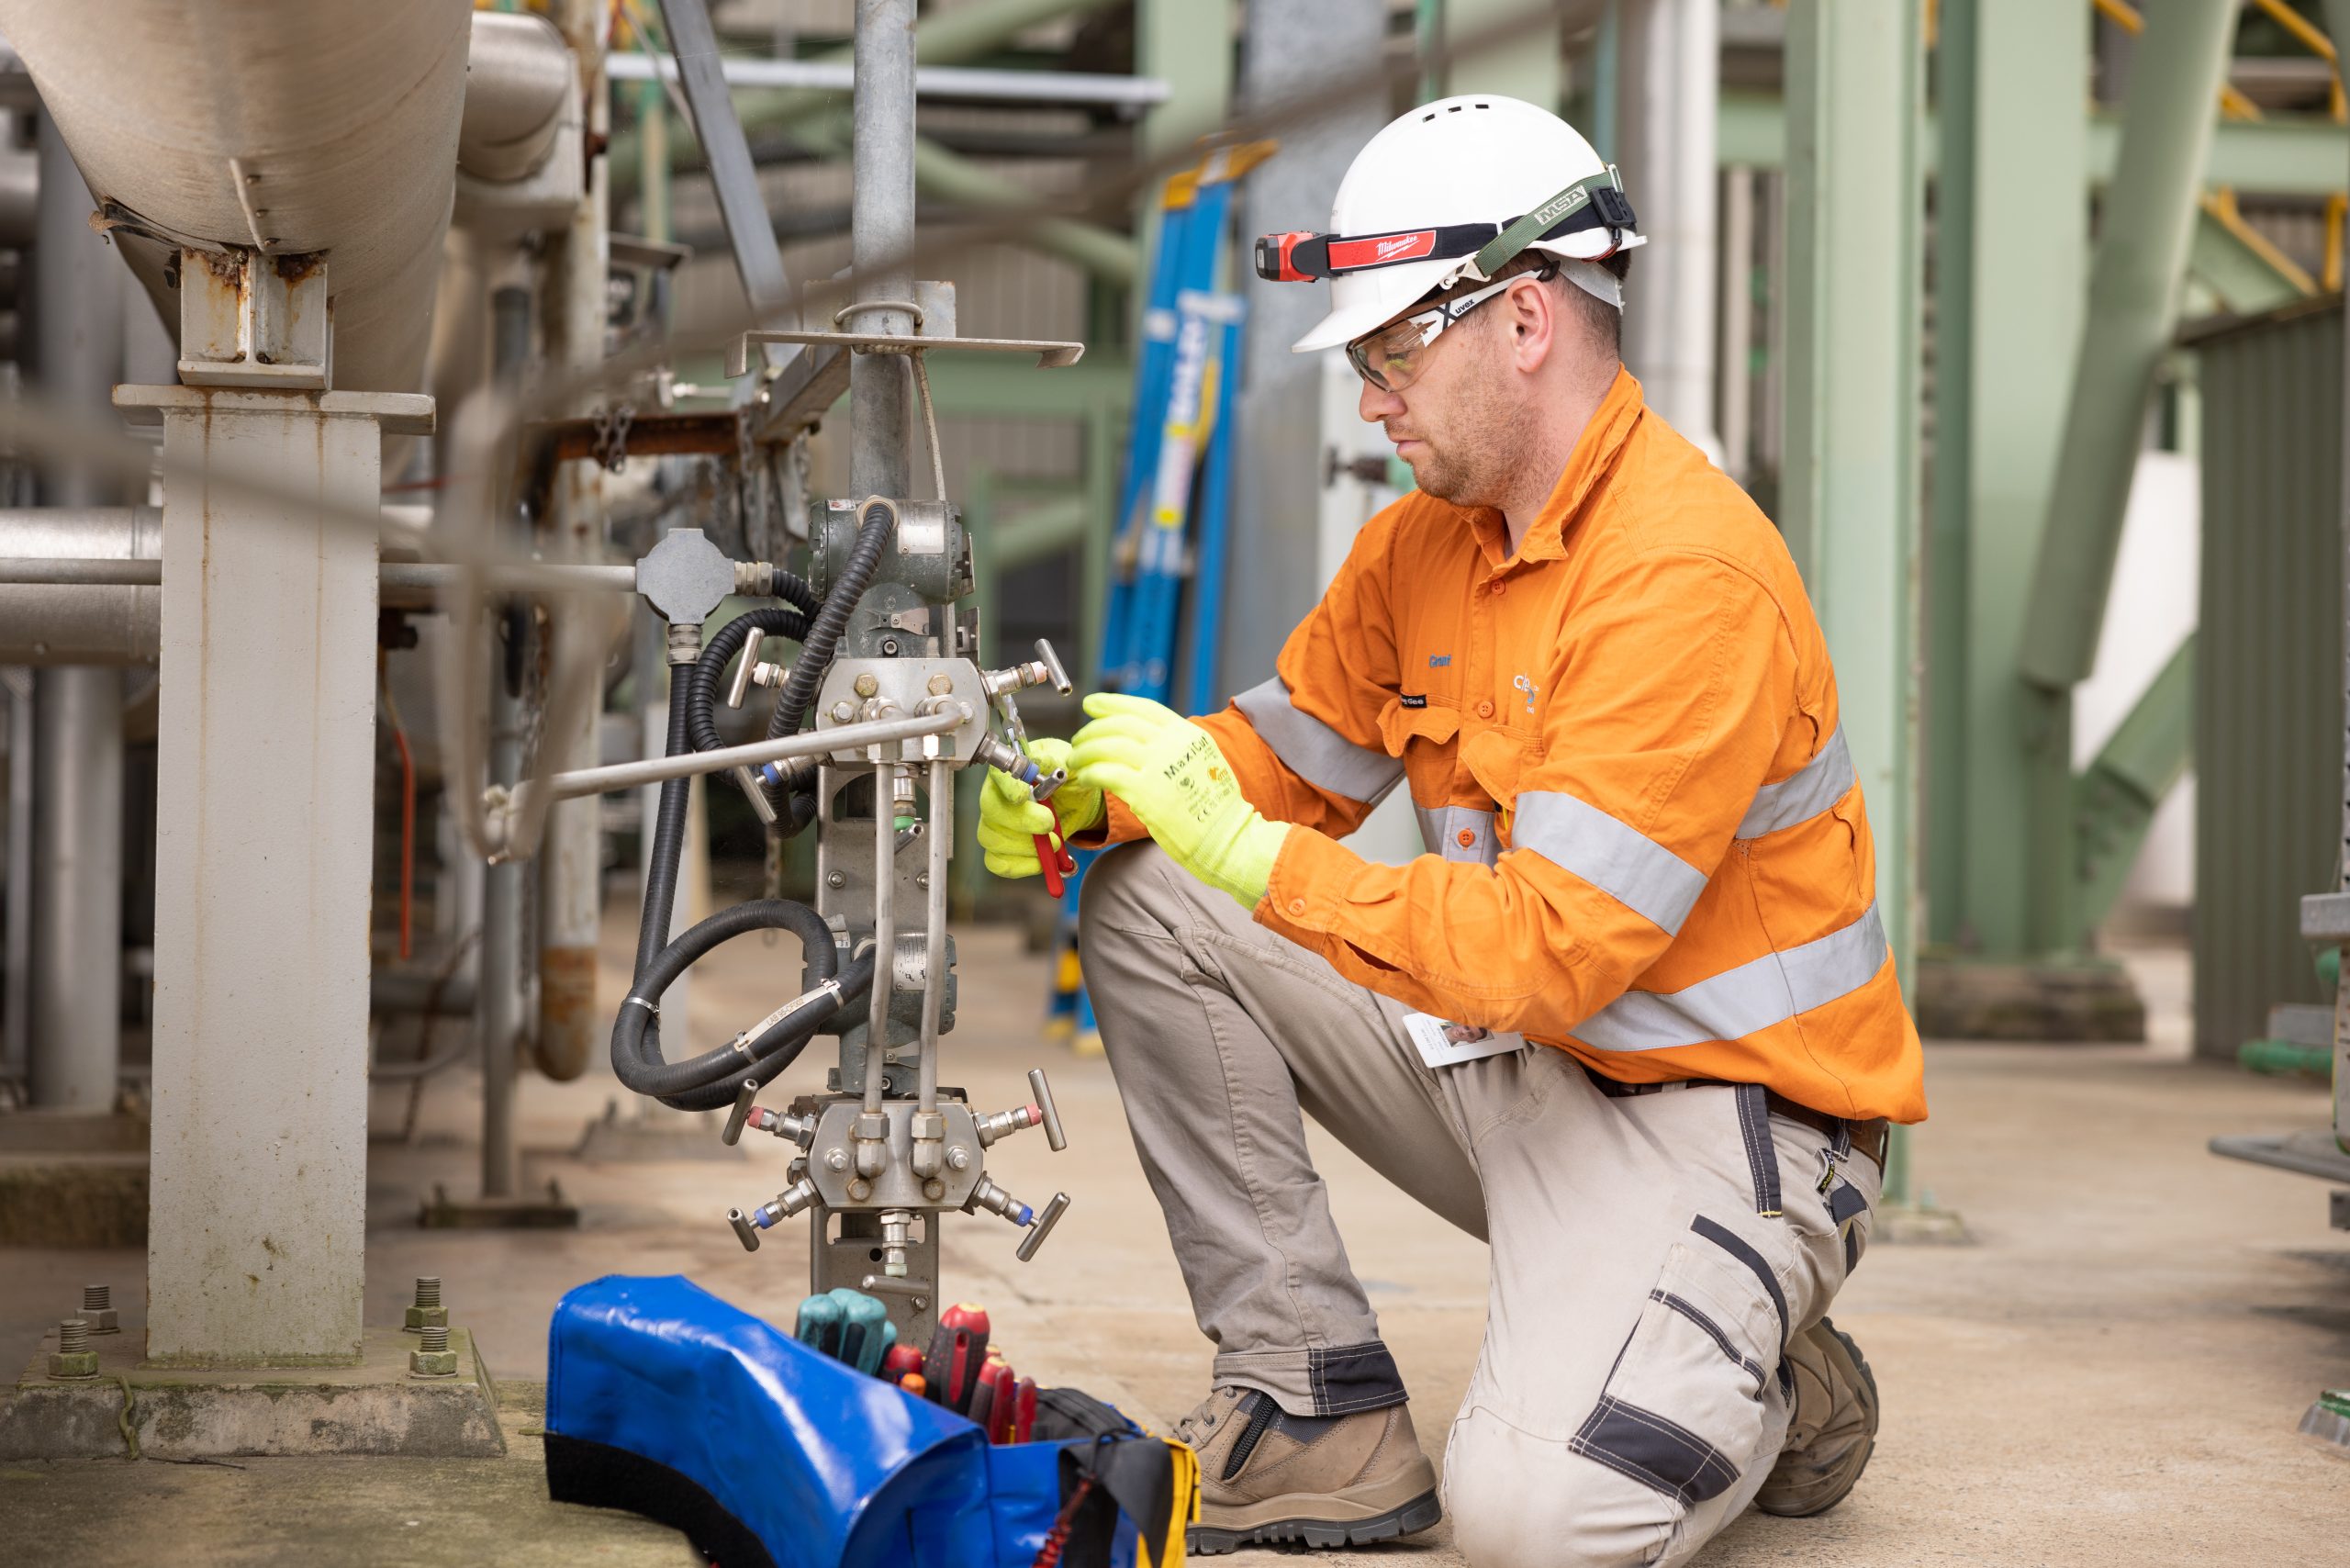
1442,1042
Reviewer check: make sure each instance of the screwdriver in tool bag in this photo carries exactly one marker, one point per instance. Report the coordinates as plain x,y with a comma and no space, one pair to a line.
994,1392
899,1360
958,1348
1024,1410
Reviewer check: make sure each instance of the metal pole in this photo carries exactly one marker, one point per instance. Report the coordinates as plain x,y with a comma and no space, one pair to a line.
503,993
17,942
881,225
76,1028
570,889
1671,75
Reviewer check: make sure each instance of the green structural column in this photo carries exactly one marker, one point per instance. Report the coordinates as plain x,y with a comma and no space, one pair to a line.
1849,501
2147,224
2011,250
1530,65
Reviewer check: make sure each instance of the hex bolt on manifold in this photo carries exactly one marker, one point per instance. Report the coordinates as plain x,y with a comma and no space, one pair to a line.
98,1309
73,1358
427,1312
432,1357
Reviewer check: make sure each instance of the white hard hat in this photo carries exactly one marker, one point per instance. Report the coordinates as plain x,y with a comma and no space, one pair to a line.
1454,190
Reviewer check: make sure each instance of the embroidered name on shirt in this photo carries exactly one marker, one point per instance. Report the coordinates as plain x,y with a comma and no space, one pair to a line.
1437,661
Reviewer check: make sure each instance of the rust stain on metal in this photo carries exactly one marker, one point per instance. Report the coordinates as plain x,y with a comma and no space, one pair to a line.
567,1017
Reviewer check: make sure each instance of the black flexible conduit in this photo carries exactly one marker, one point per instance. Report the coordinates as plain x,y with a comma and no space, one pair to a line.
711,1080
824,638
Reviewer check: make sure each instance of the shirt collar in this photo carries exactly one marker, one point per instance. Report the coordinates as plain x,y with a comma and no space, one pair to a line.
1587,466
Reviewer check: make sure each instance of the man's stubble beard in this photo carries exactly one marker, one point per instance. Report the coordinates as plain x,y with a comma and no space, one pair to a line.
1483,449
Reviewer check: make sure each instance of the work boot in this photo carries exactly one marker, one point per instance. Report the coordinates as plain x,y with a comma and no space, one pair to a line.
1833,1430
1267,1475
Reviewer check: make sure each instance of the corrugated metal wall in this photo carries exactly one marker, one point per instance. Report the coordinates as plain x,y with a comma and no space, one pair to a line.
2269,717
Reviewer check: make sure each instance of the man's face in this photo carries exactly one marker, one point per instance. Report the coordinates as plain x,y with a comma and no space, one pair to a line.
1463,422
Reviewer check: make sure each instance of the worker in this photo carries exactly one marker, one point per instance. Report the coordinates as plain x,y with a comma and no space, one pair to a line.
1633,1018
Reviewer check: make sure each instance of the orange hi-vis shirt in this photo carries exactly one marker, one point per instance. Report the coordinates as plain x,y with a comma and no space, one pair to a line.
1647,840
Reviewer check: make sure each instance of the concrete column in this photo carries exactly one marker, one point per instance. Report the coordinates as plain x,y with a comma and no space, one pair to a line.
1848,502
1288,49
569,894
1670,89
257,1206
75,1031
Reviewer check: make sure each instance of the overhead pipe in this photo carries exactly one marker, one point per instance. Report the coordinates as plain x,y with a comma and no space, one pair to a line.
284,126
517,73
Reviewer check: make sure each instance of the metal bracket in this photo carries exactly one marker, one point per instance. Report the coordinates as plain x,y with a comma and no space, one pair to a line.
250,319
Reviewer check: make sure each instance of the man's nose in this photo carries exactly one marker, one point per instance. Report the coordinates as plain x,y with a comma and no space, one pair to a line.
1376,404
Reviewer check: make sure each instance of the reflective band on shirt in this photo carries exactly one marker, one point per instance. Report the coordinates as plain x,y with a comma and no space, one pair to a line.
1808,791
1745,1001
1313,750
1441,827
1639,873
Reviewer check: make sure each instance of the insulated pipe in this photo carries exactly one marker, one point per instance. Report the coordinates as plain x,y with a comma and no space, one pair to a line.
87,623
517,71
288,125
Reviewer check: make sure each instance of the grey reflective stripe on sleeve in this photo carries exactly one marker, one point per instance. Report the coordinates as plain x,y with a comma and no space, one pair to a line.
1746,1000
1639,873
1803,794
1313,750
1441,826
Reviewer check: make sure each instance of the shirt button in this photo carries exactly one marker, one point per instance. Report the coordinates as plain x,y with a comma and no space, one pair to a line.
1500,588
1485,709
1466,838
1297,906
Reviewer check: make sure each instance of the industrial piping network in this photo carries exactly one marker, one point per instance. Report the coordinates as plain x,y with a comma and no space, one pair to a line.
871,726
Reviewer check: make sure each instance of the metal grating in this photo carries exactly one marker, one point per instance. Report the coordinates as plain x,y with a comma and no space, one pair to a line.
2268,707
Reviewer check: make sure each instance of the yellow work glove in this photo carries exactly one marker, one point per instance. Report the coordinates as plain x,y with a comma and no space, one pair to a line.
1010,818
1169,772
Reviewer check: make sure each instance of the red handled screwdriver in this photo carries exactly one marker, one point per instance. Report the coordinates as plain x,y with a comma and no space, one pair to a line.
958,1348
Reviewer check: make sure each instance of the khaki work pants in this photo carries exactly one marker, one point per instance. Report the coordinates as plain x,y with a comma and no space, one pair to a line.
1630,1395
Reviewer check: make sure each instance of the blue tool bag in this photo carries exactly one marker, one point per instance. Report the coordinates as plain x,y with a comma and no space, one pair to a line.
665,1400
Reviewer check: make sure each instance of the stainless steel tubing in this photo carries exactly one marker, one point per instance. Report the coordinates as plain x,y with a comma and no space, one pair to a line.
881,233
502,1005
933,953
809,742
884,925
76,1036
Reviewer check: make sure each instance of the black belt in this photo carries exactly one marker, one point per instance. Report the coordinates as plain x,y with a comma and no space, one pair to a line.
1868,1138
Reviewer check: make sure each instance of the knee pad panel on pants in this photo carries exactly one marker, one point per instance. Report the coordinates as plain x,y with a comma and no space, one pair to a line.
1520,1501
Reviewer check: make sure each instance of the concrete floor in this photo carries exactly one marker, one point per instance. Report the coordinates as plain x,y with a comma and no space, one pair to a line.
2111,1375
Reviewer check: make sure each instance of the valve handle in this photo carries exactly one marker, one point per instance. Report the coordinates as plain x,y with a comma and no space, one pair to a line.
1043,1226
744,1232
741,684
1058,1139
1059,671
739,1115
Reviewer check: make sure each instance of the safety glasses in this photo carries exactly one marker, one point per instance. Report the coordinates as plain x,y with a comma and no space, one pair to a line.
1391,358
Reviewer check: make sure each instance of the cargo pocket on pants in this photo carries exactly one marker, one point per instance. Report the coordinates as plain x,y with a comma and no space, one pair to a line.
1683,1410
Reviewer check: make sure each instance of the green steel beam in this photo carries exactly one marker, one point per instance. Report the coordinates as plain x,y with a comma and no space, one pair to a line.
985,386
2246,281
1848,492
2008,319
2301,155
2114,801
2147,226
1531,65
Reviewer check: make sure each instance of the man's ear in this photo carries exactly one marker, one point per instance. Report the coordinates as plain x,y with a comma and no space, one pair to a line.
1535,323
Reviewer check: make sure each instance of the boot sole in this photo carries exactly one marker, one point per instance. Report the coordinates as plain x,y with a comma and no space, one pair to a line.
1421,1513
1861,1365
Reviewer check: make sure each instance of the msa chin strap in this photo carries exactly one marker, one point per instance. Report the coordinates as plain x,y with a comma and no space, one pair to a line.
1597,202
